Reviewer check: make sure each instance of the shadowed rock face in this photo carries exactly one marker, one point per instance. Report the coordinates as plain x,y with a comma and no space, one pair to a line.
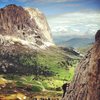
97,36
14,19
86,82
26,26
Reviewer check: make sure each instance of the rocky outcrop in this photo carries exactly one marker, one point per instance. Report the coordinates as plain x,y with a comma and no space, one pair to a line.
86,82
23,33
26,26
41,22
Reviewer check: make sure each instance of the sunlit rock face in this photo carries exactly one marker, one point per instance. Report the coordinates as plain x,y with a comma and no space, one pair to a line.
41,22
26,26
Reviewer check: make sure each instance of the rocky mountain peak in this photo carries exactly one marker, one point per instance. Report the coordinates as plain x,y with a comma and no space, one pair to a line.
24,25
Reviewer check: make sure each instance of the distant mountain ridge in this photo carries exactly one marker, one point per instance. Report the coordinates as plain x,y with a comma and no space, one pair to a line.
78,42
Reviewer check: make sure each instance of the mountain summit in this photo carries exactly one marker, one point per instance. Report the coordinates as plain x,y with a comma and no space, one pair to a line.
26,26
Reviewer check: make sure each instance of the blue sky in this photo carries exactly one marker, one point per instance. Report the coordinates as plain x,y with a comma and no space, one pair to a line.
54,7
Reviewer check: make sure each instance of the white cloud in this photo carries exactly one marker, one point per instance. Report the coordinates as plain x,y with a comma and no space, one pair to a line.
71,24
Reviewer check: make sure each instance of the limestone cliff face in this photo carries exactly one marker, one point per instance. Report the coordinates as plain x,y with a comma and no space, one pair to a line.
86,82
41,22
24,25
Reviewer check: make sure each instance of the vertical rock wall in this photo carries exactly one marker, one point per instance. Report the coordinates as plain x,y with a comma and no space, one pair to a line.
86,81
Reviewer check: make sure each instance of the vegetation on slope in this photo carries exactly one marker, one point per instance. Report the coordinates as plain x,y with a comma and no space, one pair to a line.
35,72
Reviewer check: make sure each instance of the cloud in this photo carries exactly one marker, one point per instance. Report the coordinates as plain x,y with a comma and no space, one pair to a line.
47,1
71,5
26,1
59,1
75,24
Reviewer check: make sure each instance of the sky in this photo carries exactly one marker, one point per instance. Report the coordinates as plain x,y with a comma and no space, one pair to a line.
52,7
74,25
66,18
